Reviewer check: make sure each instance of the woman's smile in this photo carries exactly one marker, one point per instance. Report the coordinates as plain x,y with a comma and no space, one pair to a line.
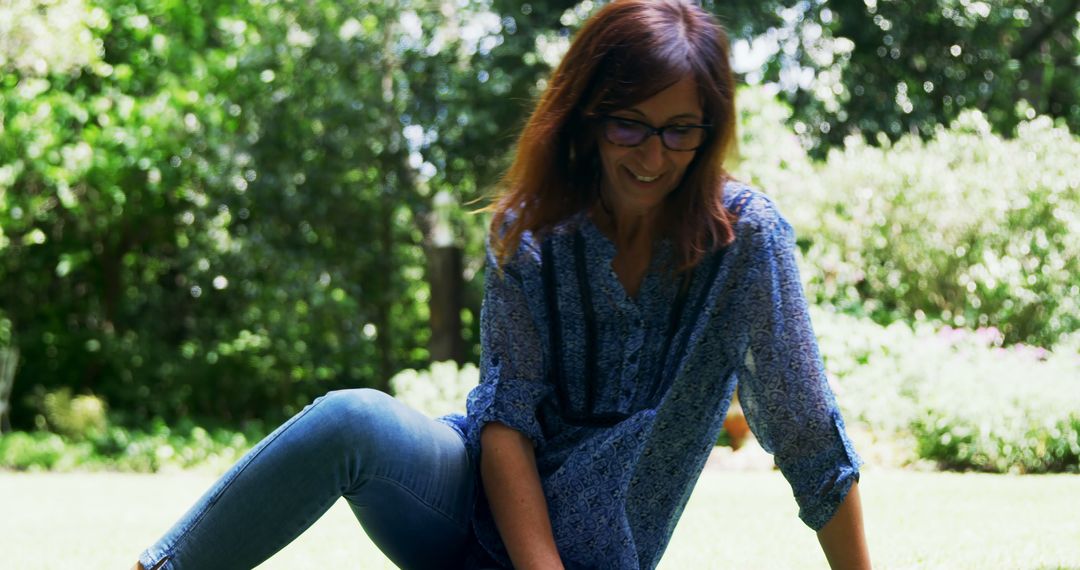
642,177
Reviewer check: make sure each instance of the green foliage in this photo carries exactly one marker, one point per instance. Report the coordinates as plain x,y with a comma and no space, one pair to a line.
770,157
893,68
161,447
41,37
73,417
965,401
969,228
437,391
5,331
222,209
963,436
38,451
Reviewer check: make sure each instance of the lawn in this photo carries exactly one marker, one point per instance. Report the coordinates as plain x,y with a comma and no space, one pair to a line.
734,520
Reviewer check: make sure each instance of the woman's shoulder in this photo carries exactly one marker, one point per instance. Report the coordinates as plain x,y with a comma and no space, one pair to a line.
525,256
754,210
529,245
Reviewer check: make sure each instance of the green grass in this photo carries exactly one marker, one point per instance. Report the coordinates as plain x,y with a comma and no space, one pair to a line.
734,520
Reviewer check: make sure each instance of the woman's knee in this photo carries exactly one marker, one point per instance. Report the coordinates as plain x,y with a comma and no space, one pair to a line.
357,416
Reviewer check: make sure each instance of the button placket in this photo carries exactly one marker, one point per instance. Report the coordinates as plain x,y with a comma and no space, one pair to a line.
632,355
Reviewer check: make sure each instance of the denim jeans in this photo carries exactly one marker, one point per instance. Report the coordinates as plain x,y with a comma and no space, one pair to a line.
407,478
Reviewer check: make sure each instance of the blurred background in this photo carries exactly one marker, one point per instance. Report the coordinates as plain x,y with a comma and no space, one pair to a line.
212,212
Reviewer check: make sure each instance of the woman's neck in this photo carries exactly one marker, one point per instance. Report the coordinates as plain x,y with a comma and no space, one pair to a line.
630,231
632,234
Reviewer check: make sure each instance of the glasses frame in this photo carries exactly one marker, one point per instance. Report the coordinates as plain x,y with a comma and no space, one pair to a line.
650,131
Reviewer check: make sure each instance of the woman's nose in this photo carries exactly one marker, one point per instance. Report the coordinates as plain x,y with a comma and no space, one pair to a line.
651,154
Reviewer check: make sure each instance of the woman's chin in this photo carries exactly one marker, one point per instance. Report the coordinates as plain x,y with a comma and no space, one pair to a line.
645,194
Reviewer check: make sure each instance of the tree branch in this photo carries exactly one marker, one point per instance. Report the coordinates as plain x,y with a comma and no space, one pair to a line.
1037,37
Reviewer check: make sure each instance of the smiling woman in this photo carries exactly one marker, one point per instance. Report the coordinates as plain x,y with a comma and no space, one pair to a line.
634,282
631,285
640,172
618,67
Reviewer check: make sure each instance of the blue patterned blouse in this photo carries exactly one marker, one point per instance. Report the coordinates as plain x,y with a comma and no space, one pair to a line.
624,411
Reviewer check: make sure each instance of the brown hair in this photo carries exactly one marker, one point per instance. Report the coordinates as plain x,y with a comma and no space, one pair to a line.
626,53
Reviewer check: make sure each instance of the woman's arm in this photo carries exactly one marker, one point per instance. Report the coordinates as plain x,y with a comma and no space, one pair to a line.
842,538
784,390
512,486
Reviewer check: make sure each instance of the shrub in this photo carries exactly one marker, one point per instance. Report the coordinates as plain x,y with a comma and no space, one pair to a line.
161,447
437,391
770,158
959,397
35,451
1010,410
968,228
74,417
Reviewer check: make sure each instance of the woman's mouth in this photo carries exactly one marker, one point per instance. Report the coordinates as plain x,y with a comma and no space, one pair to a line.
642,178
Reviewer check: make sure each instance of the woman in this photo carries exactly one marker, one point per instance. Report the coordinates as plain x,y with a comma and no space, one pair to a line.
630,283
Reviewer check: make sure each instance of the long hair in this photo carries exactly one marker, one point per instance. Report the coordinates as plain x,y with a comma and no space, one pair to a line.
626,53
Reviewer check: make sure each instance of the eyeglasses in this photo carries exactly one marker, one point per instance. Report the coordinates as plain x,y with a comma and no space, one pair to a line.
620,131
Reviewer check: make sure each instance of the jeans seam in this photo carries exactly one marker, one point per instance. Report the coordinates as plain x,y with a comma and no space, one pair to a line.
151,561
172,547
422,500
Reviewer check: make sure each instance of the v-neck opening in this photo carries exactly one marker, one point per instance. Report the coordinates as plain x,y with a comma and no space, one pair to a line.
608,252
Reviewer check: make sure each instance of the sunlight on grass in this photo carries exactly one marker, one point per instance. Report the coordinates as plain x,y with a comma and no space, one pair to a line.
734,520
913,521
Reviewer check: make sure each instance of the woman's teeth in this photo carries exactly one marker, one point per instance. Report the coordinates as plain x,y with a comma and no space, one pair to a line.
645,178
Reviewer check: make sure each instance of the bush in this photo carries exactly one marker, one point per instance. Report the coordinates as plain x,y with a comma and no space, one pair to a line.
770,158
88,441
437,391
74,417
5,330
182,447
1012,410
969,228
38,451
958,397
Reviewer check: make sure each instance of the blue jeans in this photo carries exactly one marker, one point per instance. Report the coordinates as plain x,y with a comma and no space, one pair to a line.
408,479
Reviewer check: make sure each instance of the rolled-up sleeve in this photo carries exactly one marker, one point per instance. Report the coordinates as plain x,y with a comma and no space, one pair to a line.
782,383
512,367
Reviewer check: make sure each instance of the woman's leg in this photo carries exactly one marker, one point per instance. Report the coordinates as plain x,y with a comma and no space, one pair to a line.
407,478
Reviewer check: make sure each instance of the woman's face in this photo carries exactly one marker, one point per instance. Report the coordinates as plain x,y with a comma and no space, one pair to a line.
636,179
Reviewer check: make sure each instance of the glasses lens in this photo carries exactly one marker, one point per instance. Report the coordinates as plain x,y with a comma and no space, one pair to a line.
684,138
624,133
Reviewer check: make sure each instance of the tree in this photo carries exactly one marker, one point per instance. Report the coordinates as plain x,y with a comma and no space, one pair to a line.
226,208
888,67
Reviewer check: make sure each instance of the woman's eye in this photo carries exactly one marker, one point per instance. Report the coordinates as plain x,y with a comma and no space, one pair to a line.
628,128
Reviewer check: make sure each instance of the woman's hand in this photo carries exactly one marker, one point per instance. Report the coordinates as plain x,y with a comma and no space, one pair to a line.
512,486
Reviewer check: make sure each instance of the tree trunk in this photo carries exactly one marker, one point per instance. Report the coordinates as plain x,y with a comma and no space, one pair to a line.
447,293
9,360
